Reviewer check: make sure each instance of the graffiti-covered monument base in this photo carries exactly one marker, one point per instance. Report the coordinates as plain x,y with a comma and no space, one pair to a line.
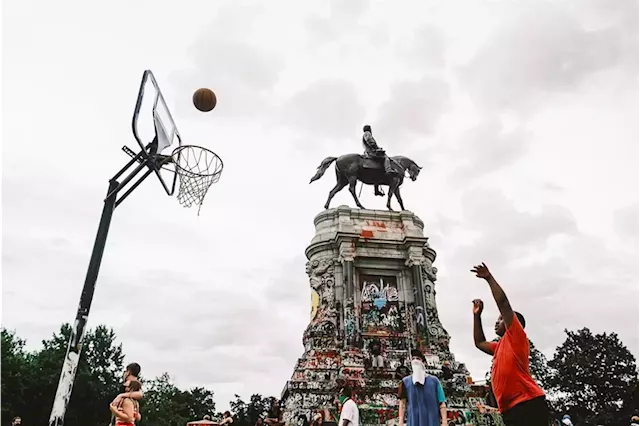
373,288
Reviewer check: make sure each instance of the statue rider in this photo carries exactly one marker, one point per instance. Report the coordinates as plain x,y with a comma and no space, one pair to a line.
372,150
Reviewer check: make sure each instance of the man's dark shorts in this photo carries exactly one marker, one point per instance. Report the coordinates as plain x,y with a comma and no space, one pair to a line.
534,412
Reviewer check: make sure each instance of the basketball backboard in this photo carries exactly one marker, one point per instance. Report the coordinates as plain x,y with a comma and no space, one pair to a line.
154,127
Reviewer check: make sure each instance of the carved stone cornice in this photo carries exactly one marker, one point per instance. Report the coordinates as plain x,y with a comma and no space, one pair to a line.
346,250
429,253
414,261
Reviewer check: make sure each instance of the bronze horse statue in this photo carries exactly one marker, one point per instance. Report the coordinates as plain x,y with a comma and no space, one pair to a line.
351,168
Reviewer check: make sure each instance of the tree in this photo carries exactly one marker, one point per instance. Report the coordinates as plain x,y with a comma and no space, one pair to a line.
596,377
46,365
30,379
16,375
166,405
100,376
98,379
539,367
246,414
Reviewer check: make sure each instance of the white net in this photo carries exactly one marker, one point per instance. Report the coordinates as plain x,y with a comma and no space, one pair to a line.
198,168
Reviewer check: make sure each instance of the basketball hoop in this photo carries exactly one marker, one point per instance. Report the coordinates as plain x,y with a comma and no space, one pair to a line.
198,168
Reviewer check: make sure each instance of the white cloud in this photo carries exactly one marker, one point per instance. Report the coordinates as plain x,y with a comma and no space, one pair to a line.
487,148
625,222
425,49
541,48
326,109
414,107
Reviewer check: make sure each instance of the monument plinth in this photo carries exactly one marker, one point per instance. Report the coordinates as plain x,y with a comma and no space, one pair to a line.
372,283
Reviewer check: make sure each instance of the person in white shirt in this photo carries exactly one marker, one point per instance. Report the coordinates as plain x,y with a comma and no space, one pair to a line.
349,414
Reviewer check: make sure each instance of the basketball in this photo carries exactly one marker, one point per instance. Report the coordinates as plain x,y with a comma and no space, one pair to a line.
204,100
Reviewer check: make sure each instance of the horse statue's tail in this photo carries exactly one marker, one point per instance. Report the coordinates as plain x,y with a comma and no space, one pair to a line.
323,168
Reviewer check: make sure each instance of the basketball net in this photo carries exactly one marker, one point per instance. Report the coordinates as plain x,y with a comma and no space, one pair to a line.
198,168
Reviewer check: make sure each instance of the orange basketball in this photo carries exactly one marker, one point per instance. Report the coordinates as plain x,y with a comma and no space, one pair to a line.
204,100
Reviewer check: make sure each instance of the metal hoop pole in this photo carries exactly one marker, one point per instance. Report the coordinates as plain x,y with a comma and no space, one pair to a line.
72,358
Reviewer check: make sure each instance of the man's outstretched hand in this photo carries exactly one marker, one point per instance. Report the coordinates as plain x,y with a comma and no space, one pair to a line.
478,306
481,271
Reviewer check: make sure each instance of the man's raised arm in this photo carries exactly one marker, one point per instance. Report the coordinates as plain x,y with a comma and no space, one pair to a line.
500,297
478,334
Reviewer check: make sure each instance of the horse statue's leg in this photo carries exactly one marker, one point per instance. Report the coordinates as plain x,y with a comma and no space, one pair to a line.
341,183
352,189
399,198
393,187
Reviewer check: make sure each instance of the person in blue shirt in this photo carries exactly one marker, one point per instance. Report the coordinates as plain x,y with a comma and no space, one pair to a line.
421,396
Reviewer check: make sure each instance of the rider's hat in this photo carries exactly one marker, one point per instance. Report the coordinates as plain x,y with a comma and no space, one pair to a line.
366,128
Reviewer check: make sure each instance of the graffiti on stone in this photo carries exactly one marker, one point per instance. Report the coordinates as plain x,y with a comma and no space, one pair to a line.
377,416
460,417
315,302
337,343
350,325
379,289
353,373
468,417
379,304
352,359
419,316
322,281
433,361
323,342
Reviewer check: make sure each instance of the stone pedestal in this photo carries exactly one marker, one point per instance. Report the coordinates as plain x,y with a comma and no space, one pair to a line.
372,279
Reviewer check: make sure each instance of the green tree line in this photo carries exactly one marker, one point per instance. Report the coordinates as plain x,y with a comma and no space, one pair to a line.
30,379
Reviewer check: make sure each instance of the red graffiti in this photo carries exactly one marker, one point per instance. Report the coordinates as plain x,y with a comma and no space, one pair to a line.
365,233
456,417
385,414
376,224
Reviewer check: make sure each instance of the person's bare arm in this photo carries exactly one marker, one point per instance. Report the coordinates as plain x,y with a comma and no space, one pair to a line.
443,414
126,414
137,395
402,409
478,334
499,295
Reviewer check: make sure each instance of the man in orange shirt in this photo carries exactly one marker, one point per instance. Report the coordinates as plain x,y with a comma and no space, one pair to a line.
520,400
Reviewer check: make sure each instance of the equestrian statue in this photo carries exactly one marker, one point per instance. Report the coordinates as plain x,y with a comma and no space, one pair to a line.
373,168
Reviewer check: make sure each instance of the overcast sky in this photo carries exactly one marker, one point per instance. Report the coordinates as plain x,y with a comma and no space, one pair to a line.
524,116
